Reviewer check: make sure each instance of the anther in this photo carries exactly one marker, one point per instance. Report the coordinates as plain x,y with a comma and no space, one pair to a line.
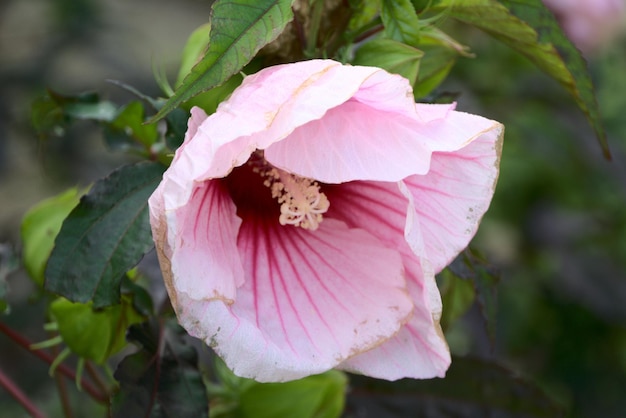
301,201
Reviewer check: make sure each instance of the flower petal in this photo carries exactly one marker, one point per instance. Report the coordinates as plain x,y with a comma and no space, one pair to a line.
310,301
418,351
355,141
257,115
452,198
202,237
386,210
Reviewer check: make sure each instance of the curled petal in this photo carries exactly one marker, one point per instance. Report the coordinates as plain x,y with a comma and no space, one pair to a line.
310,301
355,141
452,197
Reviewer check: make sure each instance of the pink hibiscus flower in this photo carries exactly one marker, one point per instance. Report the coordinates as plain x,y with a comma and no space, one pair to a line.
300,226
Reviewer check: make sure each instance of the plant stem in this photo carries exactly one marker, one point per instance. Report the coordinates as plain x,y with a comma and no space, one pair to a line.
95,376
369,32
62,368
316,19
18,395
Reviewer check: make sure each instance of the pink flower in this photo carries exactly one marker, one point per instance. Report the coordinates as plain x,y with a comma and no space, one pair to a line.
590,24
300,226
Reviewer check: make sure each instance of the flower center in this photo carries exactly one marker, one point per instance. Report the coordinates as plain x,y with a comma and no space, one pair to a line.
301,201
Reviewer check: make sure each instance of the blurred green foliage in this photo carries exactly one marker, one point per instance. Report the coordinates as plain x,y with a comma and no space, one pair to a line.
556,227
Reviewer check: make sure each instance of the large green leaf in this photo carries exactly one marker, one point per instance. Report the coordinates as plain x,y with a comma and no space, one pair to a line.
471,388
400,21
40,226
239,29
530,28
104,236
162,379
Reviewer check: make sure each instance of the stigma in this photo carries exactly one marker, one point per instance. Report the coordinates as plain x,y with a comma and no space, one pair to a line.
302,203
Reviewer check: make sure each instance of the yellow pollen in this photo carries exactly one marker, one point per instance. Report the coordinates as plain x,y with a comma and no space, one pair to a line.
301,202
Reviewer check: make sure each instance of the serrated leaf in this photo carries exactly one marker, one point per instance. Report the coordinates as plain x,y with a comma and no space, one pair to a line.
104,236
400,21
471,388
94,334
39,228
239,29
530,28
392,56
162,379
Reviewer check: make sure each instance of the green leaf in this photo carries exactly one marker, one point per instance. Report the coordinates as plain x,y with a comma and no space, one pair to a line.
471,388
319,396
530,28
127,129
94,334
400,21
472,267
210,100
392,56
39,228
239,29
104,236
176,128
440,54
142,301
51,112
363,14
457,295
162,379
194,50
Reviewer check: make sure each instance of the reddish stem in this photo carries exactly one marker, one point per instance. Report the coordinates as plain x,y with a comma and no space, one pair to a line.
368,33
61,368
18,395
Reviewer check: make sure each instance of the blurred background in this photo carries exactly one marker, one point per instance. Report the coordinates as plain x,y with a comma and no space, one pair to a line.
555,234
